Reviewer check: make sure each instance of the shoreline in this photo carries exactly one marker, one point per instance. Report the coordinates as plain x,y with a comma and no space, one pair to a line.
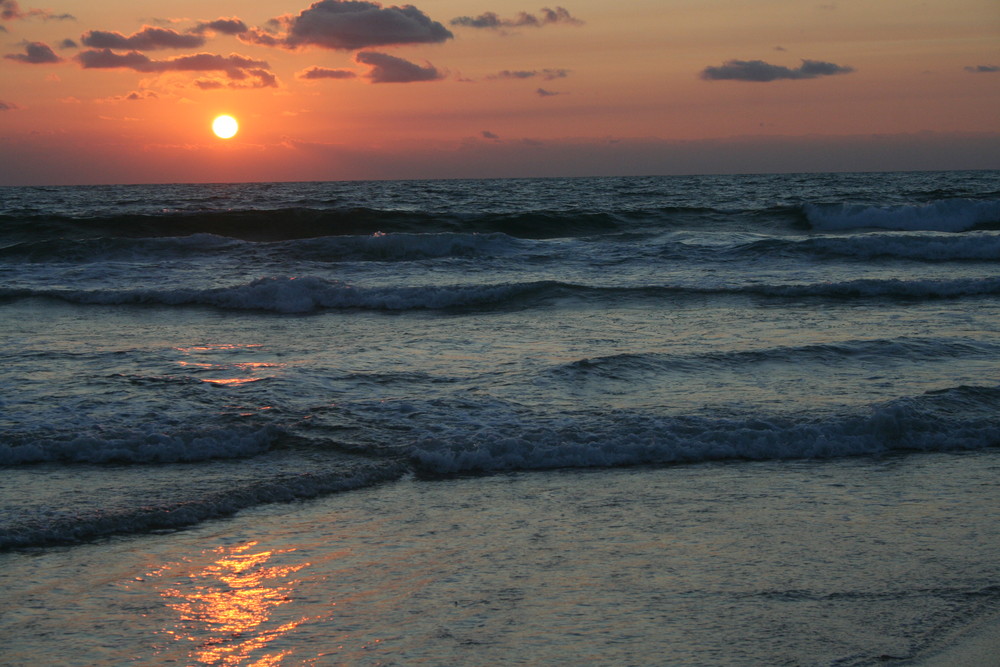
977,644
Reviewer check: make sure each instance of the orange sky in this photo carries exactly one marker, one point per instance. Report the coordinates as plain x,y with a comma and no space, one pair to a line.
125,91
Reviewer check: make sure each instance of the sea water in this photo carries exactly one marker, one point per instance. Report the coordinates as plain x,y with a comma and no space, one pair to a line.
728,364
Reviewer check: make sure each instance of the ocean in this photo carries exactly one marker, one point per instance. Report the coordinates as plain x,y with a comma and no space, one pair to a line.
718,420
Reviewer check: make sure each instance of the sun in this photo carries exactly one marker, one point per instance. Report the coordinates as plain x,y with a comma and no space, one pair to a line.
225,127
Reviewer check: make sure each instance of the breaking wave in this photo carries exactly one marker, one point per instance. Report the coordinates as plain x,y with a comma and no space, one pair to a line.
948,215
924,423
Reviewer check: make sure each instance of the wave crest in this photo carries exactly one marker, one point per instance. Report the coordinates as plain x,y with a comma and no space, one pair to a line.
923,423
946,215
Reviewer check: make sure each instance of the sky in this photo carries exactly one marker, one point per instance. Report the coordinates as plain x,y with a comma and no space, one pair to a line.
125,91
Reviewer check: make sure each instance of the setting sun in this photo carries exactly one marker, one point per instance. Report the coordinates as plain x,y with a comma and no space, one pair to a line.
225,127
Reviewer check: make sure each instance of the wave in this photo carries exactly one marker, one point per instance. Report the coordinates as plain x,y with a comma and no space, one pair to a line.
138,517
948,215
625,366
311,294
299,223
441,439
136,445
977,246
962,418
375,247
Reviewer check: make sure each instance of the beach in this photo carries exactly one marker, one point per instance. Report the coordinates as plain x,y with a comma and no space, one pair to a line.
810,563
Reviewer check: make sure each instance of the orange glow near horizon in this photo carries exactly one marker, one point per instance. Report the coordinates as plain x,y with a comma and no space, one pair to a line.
617,89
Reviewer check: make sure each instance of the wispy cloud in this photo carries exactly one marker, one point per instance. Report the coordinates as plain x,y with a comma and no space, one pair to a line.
10,10
8,106
36,53
547,74
492,21
134,96
314,73
983,69
760,71
390,69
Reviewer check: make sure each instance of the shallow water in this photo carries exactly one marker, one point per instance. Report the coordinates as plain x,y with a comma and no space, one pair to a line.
799,563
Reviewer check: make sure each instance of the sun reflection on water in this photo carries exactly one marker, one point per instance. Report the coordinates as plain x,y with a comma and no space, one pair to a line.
225,609
236,373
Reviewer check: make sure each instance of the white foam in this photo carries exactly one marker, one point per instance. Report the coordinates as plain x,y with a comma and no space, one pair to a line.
948,215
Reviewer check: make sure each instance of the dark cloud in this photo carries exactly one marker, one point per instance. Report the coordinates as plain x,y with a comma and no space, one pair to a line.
491,21
355,24
8,106
230,26
36,53
758,70
11,11
148,39
390,69
982,69
209,84
68,44
251,73
541,92
261,38
547,74
136,95
486,134
314,73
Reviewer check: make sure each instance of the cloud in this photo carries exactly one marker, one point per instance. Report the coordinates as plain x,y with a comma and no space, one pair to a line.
541,92
11,11
260,37
491,21
135,95
250,73
390,69
353,24
68,44
209,84
36,53
227,26
981,69
147,39
486,134
547,74
8,106
758,70
314,73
